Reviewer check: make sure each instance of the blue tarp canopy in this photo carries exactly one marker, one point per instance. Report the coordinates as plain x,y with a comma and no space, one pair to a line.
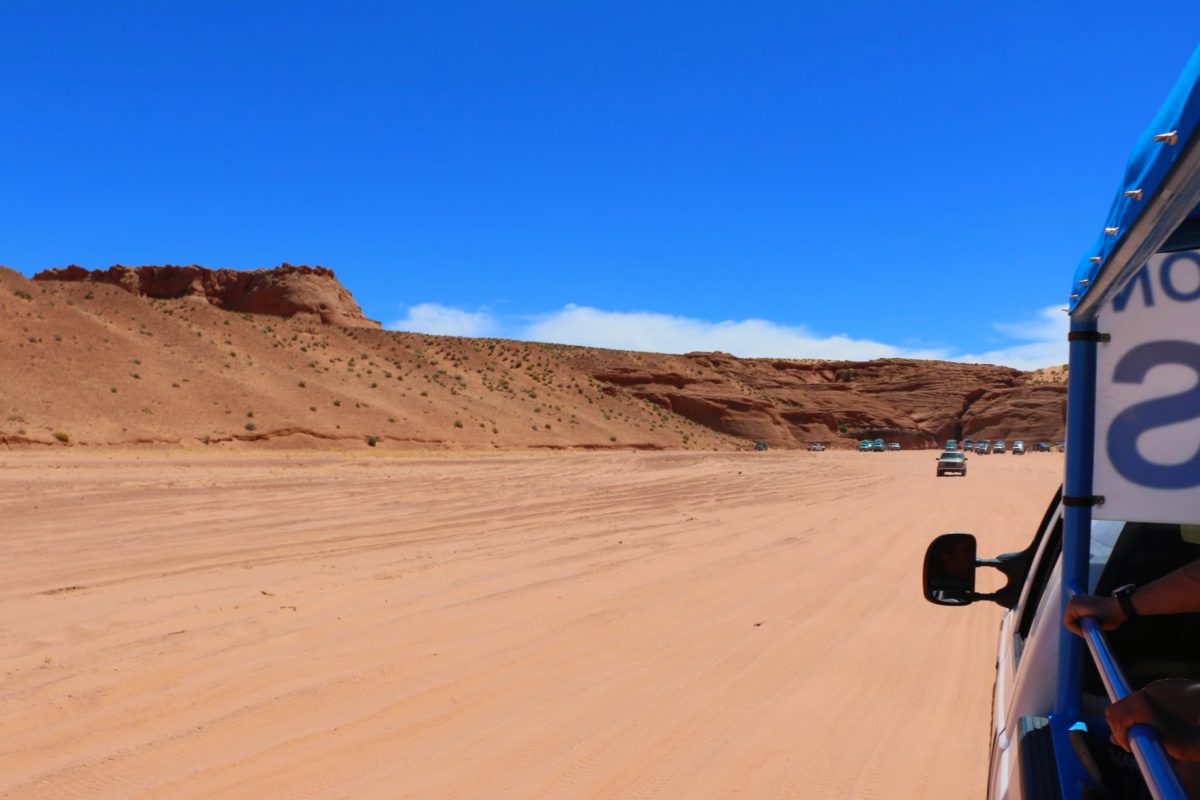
1160,149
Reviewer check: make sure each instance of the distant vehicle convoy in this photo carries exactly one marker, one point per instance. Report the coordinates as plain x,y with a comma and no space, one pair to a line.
980,447
877,446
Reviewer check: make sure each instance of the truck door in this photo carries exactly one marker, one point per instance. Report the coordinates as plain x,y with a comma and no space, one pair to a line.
1023,660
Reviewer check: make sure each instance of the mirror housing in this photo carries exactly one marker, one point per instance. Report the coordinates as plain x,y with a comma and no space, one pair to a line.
946,580
948,577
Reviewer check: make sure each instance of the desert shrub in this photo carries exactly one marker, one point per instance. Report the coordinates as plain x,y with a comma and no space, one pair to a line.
371,440
458,423
62,436
250,426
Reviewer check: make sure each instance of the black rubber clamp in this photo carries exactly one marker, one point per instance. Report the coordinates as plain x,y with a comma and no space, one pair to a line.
1088,336
1083,502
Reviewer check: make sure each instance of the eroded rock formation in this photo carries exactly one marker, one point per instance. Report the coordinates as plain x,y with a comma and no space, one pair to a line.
283,291
790,403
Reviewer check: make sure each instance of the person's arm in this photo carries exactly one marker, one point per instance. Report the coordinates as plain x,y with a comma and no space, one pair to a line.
1175,593
1170,708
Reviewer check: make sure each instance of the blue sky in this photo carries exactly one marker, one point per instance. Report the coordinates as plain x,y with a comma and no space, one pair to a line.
790,179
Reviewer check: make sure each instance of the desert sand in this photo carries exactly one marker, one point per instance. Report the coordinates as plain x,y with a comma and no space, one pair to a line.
200,624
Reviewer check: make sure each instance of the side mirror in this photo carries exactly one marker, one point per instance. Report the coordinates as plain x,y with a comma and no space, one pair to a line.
948,578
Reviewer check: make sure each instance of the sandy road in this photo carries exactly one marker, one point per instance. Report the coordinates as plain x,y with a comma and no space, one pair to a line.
581,626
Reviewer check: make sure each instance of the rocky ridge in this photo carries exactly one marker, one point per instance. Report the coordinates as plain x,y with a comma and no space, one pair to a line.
790,403
282,291
180,355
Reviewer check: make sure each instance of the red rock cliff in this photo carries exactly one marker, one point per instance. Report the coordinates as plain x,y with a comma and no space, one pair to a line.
788,403
283,291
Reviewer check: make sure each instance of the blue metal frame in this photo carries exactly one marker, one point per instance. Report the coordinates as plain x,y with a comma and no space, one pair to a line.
1077,534
1159,191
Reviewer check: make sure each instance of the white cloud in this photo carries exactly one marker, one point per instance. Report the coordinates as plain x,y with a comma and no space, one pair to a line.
1039,342
664,333
1036,342
445,321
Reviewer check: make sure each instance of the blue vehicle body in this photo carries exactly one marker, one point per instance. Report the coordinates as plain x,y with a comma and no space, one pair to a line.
1158,201
1149,242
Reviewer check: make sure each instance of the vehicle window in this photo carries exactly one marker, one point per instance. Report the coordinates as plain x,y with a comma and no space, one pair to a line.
1051,526
1152,647
1040,579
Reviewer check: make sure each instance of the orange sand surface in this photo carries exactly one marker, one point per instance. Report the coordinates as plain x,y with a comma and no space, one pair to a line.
616,625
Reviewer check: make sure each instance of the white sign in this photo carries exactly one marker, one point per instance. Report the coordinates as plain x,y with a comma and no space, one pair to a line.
1148,395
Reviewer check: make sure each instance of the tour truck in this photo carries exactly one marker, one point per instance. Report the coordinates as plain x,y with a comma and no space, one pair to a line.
1128,511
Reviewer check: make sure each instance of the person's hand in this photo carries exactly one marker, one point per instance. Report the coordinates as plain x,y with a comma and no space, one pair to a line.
1106,611
1137,708
1147,707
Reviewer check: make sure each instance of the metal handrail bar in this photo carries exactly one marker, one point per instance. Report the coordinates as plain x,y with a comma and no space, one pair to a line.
1151,758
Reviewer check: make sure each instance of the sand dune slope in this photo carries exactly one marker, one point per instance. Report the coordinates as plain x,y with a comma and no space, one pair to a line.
573,626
